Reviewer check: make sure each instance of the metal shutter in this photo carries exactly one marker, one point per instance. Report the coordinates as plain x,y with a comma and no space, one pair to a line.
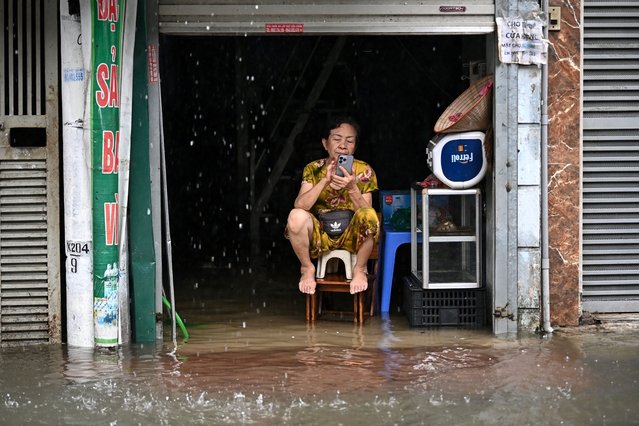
610,211
327,17
29,196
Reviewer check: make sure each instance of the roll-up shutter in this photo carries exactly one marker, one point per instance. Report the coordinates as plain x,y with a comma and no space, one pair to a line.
611,156
326,17
29,196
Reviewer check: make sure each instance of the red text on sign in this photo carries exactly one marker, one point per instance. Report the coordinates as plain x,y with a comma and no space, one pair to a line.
111,222
108,10
110,147
107,78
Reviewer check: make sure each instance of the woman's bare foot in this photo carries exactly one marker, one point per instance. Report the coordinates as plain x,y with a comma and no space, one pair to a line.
307,280
359,281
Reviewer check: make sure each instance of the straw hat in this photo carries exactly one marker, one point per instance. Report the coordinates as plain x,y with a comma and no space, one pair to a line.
472,110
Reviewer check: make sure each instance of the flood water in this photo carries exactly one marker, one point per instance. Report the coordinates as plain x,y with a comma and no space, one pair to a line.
252,359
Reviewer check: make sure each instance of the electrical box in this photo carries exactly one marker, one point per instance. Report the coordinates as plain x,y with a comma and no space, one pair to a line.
554,18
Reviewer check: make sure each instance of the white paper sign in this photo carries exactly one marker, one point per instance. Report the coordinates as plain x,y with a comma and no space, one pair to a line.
521,41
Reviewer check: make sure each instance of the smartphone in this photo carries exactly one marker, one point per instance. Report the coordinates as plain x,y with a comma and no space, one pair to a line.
345,161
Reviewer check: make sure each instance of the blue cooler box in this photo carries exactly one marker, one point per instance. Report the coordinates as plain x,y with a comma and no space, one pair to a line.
458,159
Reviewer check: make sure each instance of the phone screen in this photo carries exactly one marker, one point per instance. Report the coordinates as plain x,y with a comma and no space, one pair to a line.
345,161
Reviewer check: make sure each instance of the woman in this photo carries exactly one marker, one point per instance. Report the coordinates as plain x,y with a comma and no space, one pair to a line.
322,190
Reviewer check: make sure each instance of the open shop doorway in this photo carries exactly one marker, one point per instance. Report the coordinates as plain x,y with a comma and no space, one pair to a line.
244,115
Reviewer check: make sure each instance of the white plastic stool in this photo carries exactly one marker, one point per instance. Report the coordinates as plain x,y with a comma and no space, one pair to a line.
323,265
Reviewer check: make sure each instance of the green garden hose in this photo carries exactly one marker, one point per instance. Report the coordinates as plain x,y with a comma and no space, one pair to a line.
177,319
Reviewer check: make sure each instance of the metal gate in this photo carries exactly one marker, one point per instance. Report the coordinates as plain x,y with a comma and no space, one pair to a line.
29,195
327,17
610,248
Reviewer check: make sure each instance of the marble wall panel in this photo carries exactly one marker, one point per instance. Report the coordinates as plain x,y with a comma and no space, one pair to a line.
564,162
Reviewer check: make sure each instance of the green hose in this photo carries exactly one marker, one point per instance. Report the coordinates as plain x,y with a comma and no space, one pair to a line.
177,319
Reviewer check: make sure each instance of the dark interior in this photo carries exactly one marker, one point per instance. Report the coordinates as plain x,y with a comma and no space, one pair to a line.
231,103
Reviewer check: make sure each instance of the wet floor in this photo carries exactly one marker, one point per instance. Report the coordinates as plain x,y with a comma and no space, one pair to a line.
252,359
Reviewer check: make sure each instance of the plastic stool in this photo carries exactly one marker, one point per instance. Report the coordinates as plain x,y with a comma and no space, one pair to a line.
391,240
347,257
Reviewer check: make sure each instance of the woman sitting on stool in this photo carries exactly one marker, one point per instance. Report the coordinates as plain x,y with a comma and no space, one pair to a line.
323,191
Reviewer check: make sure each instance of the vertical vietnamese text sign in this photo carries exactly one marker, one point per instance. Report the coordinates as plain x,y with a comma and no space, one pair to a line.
106,40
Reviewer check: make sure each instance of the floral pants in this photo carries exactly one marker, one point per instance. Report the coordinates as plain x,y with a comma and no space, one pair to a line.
364,224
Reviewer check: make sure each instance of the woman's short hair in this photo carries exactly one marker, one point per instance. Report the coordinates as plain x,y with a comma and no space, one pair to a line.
336,122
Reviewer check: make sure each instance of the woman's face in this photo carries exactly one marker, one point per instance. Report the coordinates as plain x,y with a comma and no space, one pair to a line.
341,140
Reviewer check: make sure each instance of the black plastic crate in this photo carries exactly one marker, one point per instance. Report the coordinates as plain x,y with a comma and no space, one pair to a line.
450,307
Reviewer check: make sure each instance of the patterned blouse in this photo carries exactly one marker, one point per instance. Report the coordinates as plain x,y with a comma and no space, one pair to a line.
330,199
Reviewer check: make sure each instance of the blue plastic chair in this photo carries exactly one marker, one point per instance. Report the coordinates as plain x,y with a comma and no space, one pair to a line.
391,240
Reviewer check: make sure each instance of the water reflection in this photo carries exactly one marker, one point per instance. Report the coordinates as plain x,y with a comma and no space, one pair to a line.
269,366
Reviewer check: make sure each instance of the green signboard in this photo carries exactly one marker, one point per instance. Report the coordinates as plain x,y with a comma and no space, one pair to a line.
106,42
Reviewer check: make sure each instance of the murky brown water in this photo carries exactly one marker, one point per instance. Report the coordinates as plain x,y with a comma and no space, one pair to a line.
252,359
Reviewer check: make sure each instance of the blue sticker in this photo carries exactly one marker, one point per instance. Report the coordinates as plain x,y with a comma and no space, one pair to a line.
73,74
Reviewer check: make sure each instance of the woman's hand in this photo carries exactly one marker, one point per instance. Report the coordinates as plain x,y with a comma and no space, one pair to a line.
347,181
330,175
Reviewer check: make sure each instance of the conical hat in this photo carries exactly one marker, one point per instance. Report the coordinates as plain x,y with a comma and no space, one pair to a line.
472,110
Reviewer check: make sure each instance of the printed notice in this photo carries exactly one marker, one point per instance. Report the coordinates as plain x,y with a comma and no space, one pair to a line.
284,28
521,41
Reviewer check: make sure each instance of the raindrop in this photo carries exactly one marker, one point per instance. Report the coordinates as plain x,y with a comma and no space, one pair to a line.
208,28
195,286
243,324
191,142
257,6
148,212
